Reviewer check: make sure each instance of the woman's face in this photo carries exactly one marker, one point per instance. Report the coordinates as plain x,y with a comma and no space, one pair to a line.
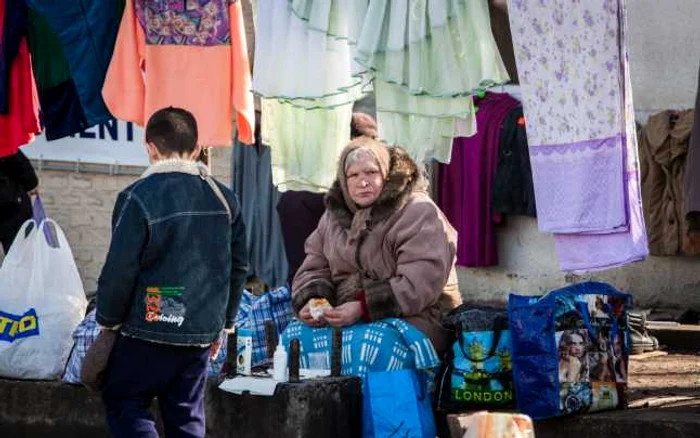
364,180
576,347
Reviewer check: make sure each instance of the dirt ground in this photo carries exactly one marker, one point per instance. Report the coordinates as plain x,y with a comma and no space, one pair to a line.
661,379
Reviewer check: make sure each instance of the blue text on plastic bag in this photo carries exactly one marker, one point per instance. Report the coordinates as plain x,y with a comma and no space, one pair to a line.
18,326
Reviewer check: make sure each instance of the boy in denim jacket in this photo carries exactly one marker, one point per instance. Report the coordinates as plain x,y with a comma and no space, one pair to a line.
171,282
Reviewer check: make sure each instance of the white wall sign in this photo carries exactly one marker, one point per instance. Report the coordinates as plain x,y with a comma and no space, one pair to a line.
114,142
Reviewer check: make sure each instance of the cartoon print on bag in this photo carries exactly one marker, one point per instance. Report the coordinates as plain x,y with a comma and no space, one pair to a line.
478,378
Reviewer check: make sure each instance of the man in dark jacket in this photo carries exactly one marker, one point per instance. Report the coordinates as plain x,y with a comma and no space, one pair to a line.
172,281
18,182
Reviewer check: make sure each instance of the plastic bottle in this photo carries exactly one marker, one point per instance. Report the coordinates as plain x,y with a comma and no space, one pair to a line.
279,364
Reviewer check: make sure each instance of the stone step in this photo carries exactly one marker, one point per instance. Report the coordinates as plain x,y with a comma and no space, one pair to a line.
329,407
676,337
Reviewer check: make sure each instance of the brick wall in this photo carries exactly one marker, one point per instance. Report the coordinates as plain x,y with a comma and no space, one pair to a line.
82,203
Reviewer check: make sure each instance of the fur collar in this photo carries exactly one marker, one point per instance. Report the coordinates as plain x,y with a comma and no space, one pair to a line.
404,178
177,165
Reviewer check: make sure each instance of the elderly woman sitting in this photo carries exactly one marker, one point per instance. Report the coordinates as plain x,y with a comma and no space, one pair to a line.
383,256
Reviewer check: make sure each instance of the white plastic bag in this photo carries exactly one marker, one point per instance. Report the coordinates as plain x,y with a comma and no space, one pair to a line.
42,300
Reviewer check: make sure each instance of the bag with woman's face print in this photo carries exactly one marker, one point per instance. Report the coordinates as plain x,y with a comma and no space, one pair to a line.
570,350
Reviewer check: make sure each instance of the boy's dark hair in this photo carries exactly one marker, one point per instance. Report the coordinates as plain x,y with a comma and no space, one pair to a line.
172,131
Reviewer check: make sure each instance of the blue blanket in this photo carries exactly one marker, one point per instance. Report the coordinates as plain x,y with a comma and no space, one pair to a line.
387,345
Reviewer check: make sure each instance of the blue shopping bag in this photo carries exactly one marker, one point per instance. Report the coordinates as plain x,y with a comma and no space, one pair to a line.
397,404
570,350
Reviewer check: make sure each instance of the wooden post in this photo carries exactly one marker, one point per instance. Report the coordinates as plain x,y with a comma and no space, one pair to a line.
294,361
232,354
337,352
270,338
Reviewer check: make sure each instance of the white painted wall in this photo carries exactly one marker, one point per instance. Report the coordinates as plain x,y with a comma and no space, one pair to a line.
664,53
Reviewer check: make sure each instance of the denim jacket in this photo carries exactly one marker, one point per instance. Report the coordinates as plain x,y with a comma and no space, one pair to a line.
177,263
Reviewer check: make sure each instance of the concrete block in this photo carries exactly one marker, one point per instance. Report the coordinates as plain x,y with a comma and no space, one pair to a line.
67,199
52,180
327,408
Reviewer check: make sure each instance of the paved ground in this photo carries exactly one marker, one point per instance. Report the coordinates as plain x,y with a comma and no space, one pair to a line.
664,380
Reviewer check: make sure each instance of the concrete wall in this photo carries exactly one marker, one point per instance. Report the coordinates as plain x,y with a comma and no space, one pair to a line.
664,53
528,265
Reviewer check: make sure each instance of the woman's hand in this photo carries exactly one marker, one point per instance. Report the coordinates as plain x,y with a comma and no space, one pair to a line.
306,318
344,315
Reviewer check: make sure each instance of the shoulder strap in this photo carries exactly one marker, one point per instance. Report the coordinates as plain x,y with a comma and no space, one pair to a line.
217,191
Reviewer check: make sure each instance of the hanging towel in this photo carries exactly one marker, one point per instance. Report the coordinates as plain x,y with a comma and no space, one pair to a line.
570,69
574,75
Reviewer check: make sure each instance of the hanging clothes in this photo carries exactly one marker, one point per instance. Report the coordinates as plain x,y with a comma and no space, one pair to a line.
14,30
191,55
428,58
252,182
87,30
663,146
442,48
424,125
513,191
61,110
692,175
305,143
299,214
307,110
465,185
316,64
573,69
20,122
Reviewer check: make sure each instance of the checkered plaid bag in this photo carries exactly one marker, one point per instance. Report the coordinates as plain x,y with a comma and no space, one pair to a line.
83,337
254,311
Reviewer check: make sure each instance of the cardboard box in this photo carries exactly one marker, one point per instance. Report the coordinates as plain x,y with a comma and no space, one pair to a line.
244,358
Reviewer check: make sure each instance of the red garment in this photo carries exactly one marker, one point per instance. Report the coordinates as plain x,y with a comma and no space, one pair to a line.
19,126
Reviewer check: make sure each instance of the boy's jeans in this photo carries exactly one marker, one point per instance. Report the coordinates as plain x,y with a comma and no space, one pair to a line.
140,370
